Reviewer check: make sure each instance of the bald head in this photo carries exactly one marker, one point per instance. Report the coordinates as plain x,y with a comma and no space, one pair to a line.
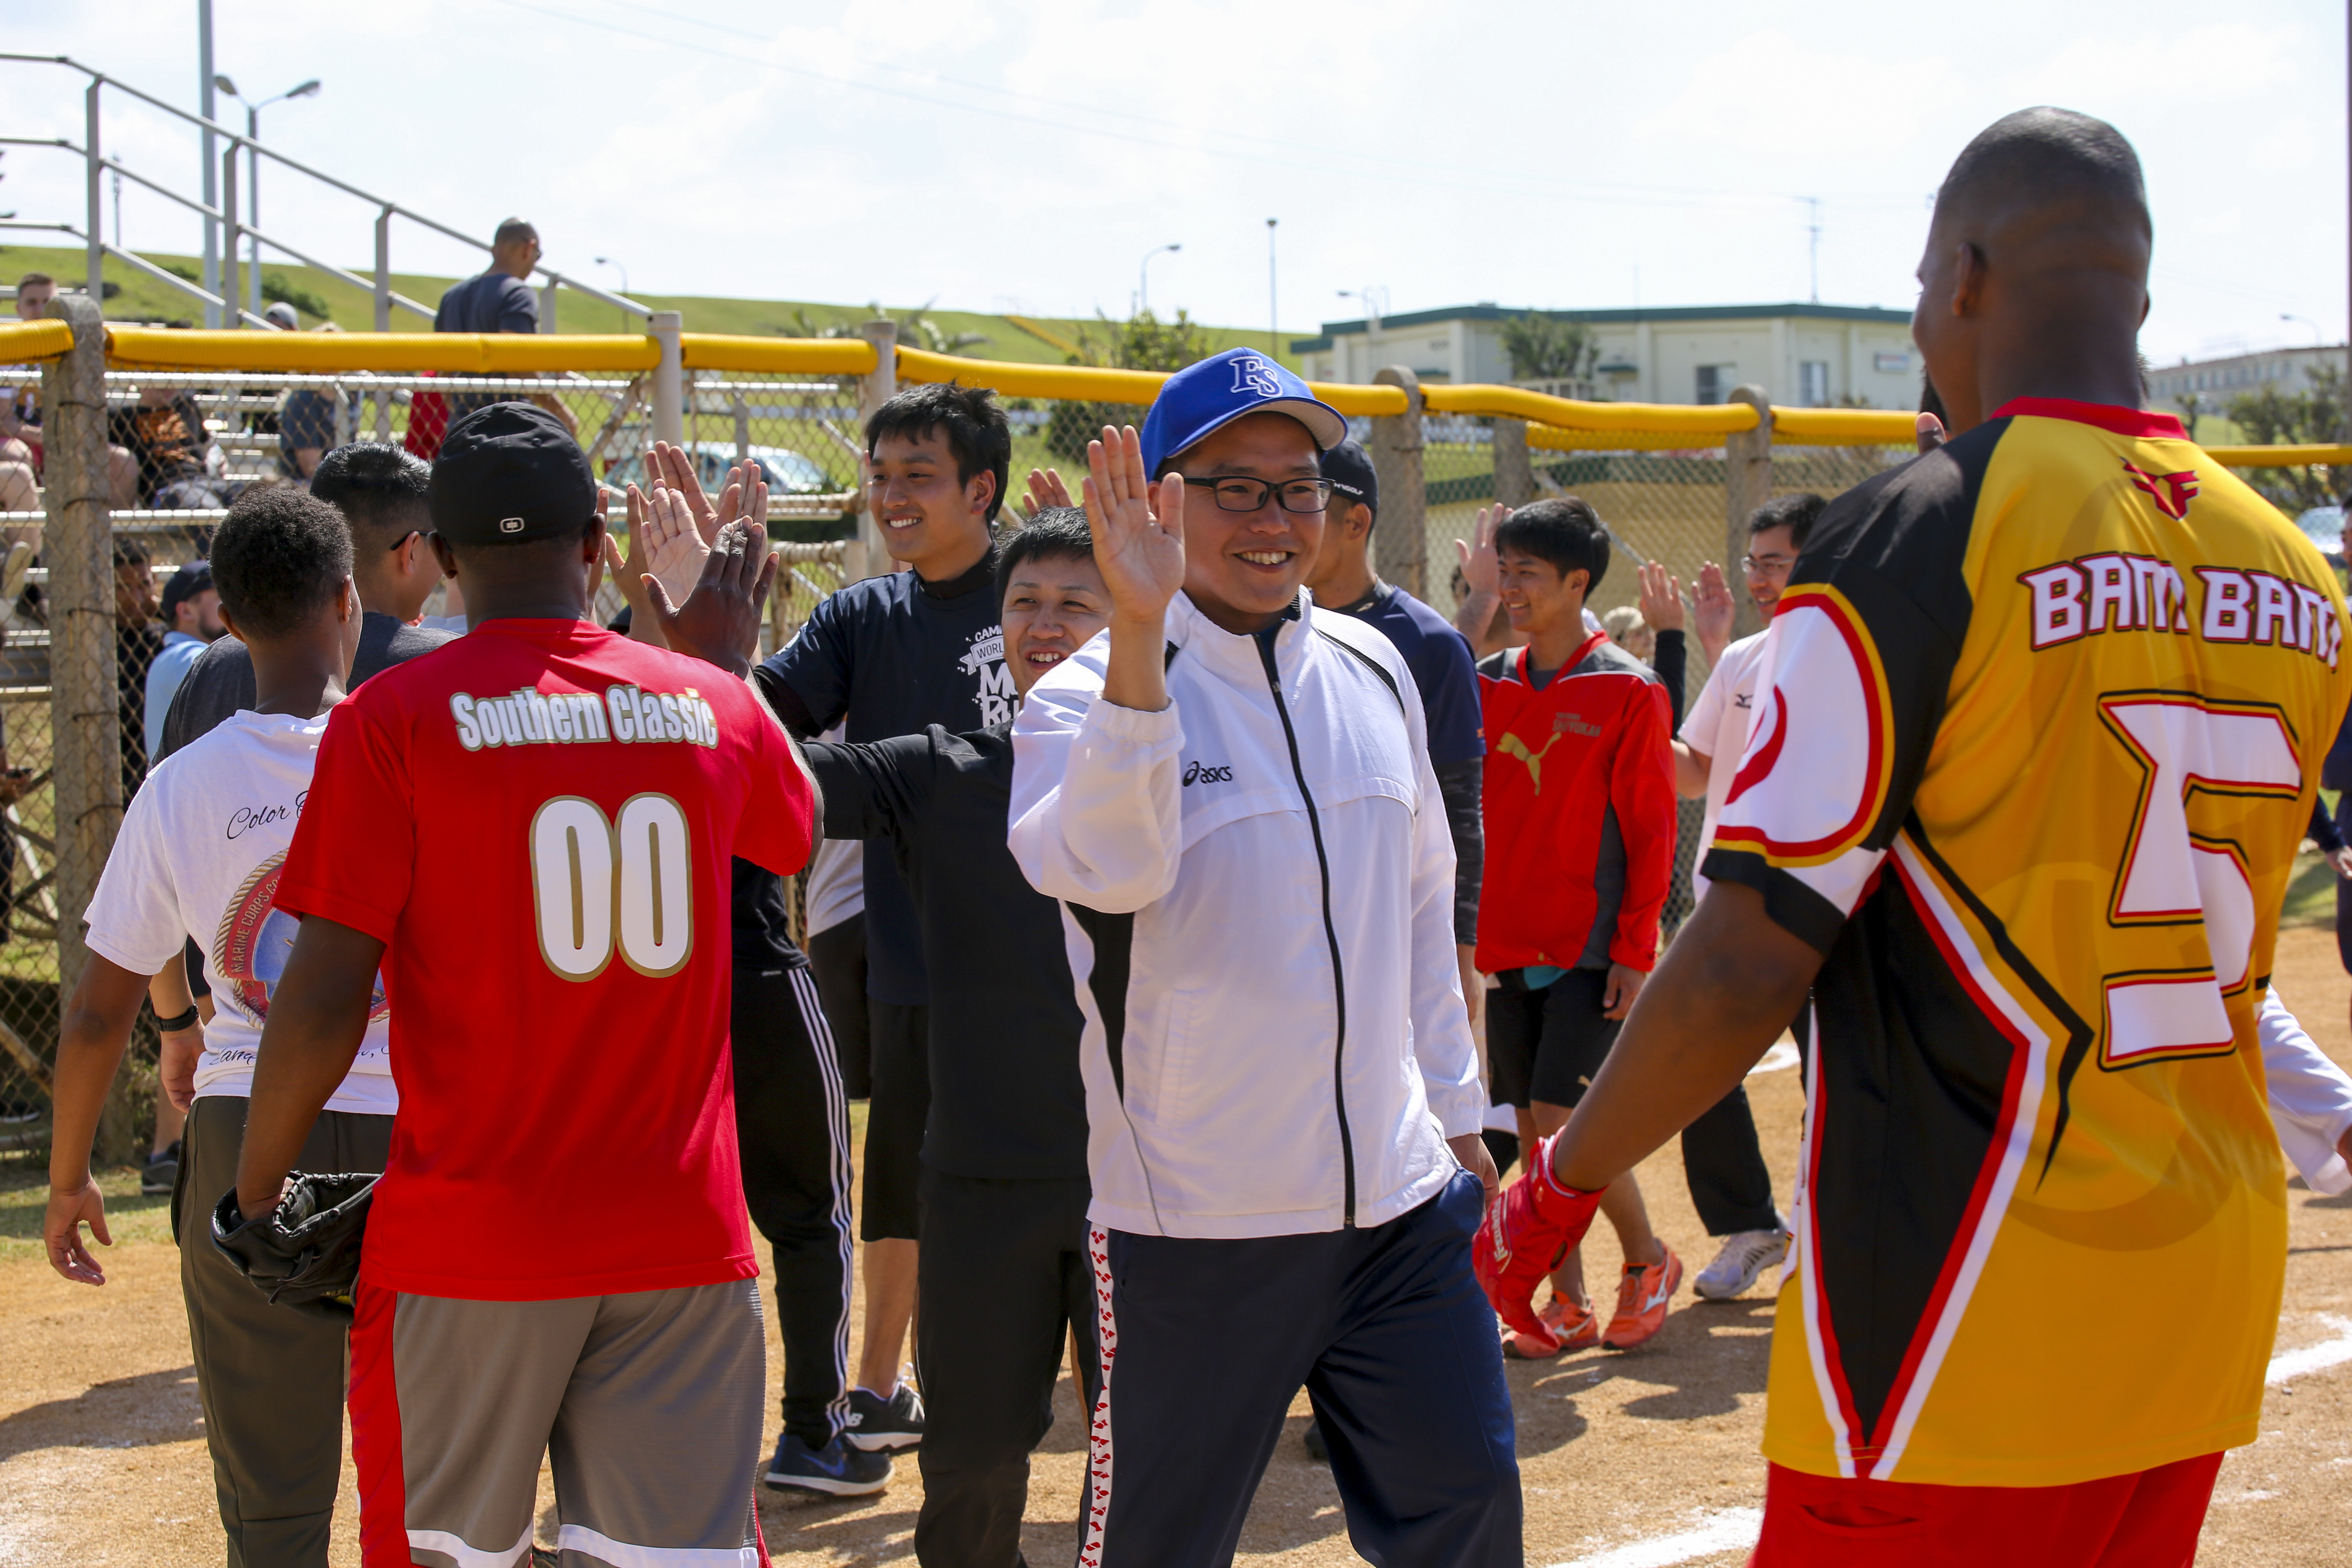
2035,277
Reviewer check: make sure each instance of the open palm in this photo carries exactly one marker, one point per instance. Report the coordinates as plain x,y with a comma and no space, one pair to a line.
1139,527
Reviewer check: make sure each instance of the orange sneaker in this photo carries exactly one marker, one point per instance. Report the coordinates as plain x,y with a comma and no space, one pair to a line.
1575,1329
1642,1296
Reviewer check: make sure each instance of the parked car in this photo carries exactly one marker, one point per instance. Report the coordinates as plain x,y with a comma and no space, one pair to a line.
788,473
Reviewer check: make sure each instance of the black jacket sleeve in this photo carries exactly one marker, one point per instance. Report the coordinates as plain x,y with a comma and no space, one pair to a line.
874,789
1459,784
788,708
1673,663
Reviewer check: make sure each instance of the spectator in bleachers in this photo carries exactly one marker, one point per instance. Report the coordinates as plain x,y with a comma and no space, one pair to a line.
167,445
306,424
190,623
137,642
283,317
500,301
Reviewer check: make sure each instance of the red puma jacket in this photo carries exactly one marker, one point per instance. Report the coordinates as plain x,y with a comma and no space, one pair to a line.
1580,820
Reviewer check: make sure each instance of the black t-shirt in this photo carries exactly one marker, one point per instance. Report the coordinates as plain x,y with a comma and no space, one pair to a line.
887,656
221,680
1007,1102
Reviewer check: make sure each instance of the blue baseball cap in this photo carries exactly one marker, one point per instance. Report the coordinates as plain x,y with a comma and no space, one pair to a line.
1205,397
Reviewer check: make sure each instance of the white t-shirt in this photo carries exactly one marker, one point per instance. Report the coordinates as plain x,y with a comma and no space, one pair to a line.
456,625
1718,725
2310,1096
198,856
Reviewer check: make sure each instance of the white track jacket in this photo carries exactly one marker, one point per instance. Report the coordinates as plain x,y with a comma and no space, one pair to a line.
1256,888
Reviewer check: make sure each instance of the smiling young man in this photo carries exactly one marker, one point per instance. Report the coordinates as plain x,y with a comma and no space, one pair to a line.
2022,795
1003,1269
1232,797
887,656
1579,810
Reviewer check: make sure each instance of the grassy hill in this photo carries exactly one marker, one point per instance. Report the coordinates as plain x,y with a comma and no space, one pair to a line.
1034,340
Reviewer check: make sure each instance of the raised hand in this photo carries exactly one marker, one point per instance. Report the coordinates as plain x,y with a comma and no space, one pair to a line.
1139,527
1712,611
1047,489
1476,556
1662,598
1930,432
719,621
674,548
672,466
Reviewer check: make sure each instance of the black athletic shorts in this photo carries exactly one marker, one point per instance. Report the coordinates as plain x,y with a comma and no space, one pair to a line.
1546,1044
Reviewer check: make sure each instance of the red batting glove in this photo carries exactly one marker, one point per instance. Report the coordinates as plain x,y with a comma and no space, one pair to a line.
1523,1237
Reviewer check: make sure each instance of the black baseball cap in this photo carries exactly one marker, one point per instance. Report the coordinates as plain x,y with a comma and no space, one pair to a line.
1350,468
508,473
186,583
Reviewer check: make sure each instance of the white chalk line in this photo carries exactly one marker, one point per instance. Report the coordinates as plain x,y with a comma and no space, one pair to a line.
1782,1057
2289,1365
1725,1530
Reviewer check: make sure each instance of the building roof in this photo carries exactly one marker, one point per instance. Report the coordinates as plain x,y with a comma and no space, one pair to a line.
1665,315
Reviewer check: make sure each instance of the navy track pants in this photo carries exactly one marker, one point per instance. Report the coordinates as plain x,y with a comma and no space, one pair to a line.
1205,1342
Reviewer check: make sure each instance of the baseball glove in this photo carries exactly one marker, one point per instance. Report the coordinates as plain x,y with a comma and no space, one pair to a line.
1525,1235
306,1255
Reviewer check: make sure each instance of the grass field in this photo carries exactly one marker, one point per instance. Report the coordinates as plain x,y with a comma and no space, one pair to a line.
1646,1459
145,298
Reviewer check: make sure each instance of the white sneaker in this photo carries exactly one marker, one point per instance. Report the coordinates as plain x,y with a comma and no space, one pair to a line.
1745,1257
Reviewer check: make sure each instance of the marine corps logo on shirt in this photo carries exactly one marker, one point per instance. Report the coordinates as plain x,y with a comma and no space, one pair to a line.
249,949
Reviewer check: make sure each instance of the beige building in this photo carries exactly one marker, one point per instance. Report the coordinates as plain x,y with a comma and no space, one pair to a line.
1804,356
2213,382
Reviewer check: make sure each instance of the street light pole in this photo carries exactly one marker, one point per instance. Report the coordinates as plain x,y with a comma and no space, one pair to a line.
1143,290
204,105
1272,310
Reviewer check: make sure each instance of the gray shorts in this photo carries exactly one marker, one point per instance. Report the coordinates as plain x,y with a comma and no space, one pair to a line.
649,1405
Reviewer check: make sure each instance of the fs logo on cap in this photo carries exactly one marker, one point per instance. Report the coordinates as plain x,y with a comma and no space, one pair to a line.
1252,375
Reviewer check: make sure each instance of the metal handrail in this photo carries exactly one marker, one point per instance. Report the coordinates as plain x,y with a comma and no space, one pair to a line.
239,138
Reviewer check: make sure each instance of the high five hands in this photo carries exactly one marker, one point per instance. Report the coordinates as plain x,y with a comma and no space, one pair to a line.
1138,532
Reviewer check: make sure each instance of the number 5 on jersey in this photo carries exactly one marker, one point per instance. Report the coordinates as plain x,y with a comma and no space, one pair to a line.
592,881
2172,875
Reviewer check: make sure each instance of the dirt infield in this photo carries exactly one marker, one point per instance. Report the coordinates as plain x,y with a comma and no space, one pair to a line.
1630,1461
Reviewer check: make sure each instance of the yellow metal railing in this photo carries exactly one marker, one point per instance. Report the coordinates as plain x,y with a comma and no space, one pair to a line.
1555,423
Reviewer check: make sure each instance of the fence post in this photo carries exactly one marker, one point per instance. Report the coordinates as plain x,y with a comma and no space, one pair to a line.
546,307
1747,485
881,385
384,270
232,309
95,282
669,378
84,733
1515,474
1401,541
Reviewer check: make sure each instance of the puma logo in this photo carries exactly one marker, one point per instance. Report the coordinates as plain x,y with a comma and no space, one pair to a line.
1512,746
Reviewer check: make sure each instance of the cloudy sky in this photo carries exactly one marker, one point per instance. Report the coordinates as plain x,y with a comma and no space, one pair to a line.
1001,157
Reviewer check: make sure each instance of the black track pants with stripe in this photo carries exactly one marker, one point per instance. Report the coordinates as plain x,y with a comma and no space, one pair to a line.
792,1124
1205,1343
1003,1281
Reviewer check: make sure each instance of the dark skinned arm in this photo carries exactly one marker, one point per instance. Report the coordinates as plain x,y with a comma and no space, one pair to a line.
90,1040
318,1018
1727,987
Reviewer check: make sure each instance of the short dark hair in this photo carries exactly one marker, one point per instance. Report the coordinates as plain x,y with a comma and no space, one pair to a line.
1565,531
1797,513
977,432
2043,155
130,551
514,229
276,561
30,279
1055,534
378,488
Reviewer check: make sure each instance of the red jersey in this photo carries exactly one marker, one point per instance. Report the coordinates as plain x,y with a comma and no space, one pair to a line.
538,820
1579,807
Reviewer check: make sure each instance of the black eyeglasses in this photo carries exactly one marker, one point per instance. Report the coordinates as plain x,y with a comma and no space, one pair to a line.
1237,494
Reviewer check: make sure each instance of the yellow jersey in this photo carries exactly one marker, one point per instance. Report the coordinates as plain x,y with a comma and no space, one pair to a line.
2038,726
